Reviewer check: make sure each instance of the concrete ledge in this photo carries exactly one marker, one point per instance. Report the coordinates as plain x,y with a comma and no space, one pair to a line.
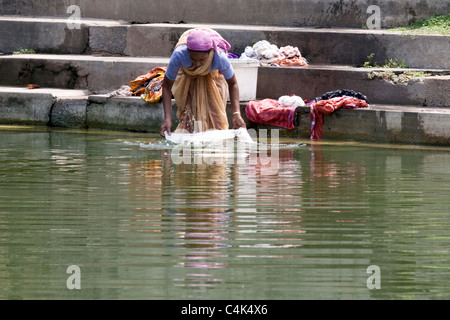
132,114
69,112
127,113
278,12
319,46
388,124
31,107
312,81
42,35
39,107
105,74
377,124
25,109
94,73
74,109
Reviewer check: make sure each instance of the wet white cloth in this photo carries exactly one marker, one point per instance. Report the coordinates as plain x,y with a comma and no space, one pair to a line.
210,136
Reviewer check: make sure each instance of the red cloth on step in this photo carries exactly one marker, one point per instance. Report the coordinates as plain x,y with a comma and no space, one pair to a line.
319,108
270,112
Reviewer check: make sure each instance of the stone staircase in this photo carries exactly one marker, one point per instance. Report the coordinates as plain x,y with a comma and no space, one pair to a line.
79,61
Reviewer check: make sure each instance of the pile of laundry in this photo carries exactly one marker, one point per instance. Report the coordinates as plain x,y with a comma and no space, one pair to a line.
279,113
330,102
282,112
147,86
269,54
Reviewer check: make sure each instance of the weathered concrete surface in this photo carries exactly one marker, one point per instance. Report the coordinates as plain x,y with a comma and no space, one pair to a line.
42,35
55,35
30,110
319,46
377,124
110,40
133,114
383,124
313,81
433,91
69,112
334,13
69,108
127,113
105,74
30,107
94,73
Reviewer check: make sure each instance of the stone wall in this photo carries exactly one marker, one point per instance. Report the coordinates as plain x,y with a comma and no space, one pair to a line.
321,13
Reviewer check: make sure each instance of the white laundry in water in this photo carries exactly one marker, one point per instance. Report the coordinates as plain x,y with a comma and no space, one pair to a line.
210,136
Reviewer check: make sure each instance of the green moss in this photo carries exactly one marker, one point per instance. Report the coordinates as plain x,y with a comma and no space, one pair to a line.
24,51
433,25
398,77
391,63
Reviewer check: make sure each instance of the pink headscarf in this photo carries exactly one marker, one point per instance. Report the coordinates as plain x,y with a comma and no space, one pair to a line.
204,40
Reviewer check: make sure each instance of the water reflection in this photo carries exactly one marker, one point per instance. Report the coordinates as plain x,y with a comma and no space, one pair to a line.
224,213
213,207
141,226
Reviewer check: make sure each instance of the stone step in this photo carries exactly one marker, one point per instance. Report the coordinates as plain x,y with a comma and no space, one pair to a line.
100,74
380,124
48,34
381,86
323,13
91,72
318,46
78,109
20,106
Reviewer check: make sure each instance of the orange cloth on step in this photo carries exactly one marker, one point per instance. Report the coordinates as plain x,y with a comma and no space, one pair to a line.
149,86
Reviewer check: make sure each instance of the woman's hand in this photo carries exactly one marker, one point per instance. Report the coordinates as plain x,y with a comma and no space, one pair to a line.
238,122
233,88
166,127
167,105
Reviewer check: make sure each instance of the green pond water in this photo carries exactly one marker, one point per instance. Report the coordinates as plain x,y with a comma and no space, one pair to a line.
329,221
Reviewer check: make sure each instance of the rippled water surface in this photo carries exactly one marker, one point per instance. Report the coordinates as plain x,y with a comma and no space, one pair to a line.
297,222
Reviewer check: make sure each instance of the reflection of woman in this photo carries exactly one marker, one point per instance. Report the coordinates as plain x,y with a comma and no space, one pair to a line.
199,74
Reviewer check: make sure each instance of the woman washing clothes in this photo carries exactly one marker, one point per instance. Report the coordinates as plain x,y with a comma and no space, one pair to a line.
199,75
